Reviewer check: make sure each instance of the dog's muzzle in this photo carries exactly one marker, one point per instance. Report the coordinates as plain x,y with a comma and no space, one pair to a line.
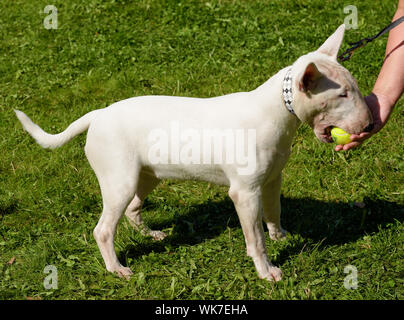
369,128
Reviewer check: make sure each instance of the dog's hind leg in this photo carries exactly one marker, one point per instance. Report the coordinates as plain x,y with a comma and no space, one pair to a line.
145,185
116,194
116,197
118,174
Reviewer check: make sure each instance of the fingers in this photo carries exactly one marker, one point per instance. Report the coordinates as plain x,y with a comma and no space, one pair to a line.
348,146
360,137
339,147
356,141
352,145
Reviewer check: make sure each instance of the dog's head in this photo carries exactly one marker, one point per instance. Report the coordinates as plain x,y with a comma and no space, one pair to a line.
327,95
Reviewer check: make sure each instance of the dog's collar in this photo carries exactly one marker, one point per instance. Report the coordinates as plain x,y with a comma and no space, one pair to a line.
287,92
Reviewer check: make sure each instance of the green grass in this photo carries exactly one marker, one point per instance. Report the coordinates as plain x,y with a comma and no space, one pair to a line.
104,51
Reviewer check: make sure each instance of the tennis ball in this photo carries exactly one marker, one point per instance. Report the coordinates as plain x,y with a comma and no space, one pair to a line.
340,136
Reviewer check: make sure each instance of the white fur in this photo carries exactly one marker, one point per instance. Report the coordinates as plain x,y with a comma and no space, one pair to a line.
117,147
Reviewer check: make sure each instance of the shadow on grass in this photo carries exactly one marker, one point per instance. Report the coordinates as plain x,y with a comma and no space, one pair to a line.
321,223
6,209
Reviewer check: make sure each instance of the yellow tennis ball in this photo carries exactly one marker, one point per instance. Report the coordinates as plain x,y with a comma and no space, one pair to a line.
340,136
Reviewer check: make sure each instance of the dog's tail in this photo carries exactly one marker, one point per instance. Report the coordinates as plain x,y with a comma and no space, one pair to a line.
53,141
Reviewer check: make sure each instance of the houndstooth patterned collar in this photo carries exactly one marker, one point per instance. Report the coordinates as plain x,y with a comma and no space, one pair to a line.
287,92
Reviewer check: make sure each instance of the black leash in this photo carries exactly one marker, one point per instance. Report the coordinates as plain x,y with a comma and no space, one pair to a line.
361,43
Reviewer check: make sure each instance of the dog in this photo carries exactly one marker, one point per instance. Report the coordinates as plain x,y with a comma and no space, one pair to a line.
315,90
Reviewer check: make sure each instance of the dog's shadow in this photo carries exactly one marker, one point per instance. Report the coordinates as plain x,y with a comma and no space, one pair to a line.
323,223
7,209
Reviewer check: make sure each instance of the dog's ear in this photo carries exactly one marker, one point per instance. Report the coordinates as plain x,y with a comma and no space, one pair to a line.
308,81
331,45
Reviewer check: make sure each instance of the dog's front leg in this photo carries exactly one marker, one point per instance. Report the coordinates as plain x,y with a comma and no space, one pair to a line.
271,204
248,207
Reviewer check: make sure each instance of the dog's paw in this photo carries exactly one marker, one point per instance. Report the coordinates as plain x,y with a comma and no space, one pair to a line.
124,272
266,270
157,235
277,235
273,274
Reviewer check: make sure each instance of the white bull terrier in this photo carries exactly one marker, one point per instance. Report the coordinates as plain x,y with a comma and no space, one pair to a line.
121,145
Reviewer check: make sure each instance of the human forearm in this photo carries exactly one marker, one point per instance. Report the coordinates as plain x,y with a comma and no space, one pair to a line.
390,82
389,85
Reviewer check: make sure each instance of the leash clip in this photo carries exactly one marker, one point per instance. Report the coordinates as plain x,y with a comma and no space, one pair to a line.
347,54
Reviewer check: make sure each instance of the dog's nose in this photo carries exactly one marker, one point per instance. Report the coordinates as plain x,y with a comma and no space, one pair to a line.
369,127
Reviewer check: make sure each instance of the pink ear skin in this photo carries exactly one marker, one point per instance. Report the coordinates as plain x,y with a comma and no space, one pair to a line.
308,80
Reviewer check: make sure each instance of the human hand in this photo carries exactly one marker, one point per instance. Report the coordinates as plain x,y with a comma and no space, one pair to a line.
380,106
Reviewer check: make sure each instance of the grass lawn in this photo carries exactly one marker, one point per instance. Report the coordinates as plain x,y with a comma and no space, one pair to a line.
341,209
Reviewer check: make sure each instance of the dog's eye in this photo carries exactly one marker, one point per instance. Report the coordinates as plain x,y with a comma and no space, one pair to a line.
344,95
